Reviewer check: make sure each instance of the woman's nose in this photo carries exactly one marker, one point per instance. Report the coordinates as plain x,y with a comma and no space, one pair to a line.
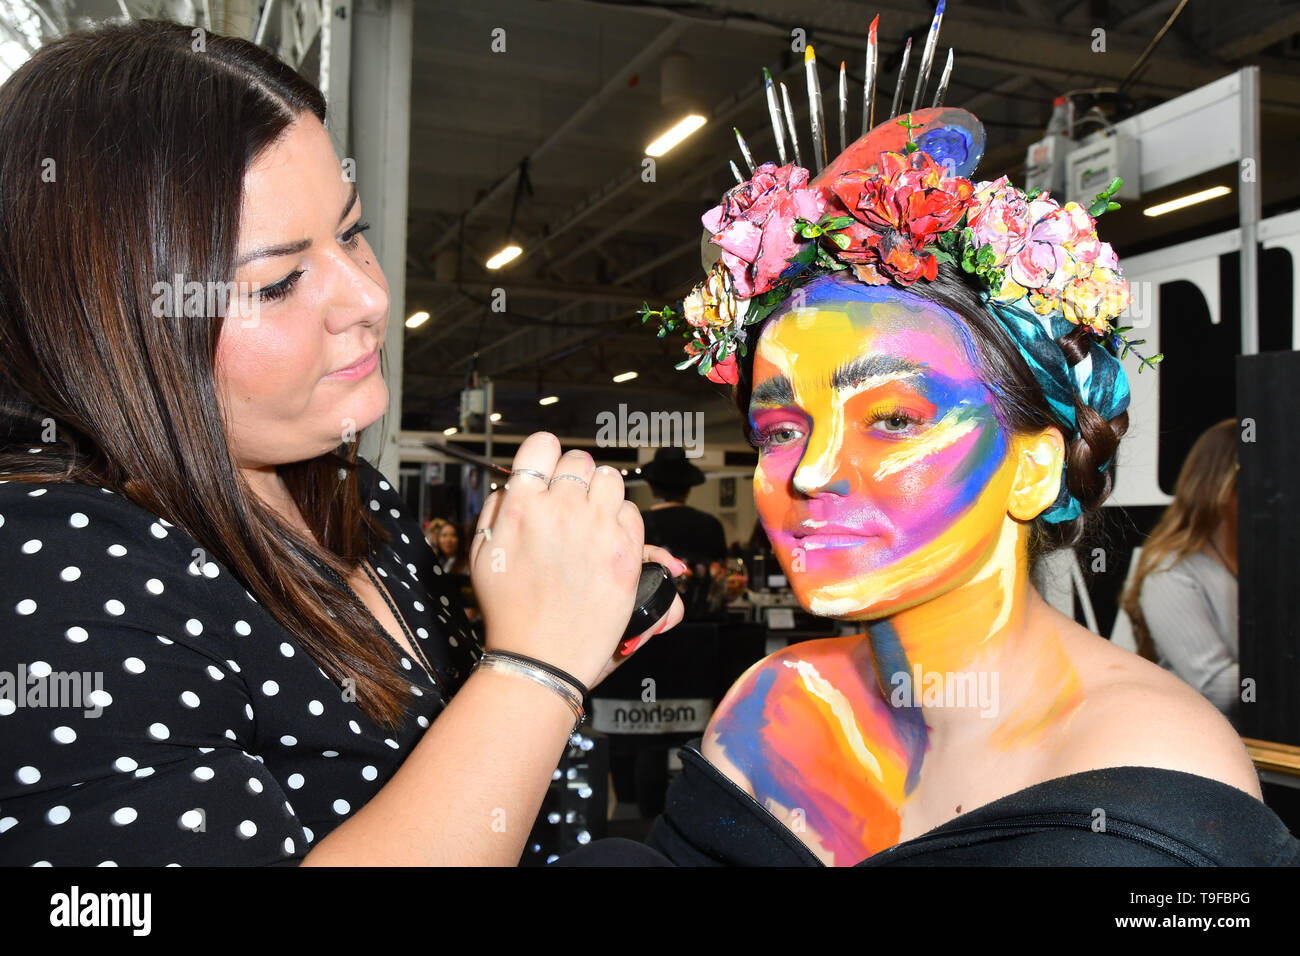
822,469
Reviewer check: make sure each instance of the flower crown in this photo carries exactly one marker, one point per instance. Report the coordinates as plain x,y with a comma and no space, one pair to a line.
893,206
895,224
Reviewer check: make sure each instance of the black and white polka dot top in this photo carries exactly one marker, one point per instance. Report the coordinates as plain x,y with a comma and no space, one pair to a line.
152,713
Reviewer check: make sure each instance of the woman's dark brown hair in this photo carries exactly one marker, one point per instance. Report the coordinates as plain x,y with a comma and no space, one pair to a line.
123,151
1019,401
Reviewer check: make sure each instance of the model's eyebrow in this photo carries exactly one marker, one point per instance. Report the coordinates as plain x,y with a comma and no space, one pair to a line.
292,248
866,367
775,391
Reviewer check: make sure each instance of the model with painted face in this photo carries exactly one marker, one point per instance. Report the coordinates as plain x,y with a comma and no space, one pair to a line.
898,491
932,370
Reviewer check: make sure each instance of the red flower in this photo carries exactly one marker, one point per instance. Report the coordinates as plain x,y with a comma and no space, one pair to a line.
726,372
898,212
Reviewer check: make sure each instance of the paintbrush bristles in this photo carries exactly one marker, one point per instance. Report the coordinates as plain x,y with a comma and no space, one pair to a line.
927,57
774,111
816,117
844,108
789,124
869,80
744,151
943,81
902,79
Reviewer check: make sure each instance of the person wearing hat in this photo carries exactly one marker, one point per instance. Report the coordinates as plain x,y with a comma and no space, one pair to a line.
693,535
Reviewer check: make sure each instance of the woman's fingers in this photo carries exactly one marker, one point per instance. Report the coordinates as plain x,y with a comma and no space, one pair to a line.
533,465
676,567
606,491
573,474
483,529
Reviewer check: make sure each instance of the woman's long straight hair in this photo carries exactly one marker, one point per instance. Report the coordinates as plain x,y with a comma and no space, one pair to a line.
1206,488
123,151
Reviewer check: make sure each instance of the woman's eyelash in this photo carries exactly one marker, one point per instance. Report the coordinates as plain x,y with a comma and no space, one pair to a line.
282,288
352,235
902,415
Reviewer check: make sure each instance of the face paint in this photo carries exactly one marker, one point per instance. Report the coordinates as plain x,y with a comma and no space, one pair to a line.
878,440
883,484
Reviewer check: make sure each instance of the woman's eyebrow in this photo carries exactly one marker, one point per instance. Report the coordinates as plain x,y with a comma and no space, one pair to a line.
854,374
291,248
775,391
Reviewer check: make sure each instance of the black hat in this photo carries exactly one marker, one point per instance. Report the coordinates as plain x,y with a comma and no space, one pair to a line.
670,469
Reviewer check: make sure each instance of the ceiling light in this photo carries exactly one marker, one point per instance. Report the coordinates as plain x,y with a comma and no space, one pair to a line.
624,376
417,319
509,254
548,400
1175,204
685,127
450,431
495,416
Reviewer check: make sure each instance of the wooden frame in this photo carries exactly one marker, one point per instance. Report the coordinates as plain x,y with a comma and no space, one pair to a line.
1279,758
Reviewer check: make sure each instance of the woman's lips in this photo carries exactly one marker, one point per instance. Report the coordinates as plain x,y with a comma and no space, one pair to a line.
360,370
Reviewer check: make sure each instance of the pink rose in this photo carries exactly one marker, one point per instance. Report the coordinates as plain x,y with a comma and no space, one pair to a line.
1082,244
1043,252
999,216
754,225
1106,258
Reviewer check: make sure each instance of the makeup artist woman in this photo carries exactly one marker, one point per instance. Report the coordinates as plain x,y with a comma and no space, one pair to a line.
233,642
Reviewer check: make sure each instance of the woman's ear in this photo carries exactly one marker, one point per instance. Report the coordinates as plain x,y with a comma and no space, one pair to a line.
1040,459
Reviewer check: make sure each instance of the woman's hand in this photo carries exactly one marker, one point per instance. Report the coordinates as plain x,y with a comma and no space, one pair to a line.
666,623
556,576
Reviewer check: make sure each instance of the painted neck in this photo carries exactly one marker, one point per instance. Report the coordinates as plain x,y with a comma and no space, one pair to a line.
984,655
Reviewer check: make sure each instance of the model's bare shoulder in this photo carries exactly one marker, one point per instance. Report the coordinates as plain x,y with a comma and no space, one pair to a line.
1138,714
737,722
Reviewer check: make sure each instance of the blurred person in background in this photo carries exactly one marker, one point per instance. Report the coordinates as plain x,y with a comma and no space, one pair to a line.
1183,597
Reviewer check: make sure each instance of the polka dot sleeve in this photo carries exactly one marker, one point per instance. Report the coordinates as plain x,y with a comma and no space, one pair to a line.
125,720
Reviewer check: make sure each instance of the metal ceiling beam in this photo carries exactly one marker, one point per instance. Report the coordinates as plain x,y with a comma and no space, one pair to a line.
648,55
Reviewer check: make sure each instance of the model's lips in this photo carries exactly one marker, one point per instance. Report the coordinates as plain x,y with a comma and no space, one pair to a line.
360,368
825,540
822,535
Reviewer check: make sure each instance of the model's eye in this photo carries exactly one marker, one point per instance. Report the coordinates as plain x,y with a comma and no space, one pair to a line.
894,421
775,436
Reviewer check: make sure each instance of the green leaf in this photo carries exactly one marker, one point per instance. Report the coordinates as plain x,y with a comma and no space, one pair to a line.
832,223
1112,206
841,240
944,256
1033,194
986,256
1097,208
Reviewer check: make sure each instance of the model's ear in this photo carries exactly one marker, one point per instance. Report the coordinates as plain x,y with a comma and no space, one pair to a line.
1040,459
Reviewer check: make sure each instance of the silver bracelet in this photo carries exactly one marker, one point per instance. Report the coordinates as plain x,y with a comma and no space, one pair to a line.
566,691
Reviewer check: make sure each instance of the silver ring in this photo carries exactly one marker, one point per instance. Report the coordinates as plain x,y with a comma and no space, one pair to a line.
569,478
531,473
